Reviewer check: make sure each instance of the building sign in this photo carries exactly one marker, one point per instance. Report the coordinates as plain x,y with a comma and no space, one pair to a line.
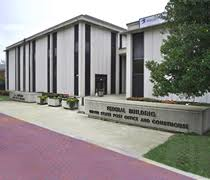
167,117
138,115
151,21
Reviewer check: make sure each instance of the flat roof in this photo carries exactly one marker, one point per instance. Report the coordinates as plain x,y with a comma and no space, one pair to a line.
85,18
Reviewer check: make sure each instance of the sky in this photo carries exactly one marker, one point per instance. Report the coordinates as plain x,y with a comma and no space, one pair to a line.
20,19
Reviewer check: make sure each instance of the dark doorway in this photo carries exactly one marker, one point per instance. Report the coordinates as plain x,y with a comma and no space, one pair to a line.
101,83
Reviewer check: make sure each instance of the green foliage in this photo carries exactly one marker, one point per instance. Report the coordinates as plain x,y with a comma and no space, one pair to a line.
42,99
72,101
4,93
185,69
187,152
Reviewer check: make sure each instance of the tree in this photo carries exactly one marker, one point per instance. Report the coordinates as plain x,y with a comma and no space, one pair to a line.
185,69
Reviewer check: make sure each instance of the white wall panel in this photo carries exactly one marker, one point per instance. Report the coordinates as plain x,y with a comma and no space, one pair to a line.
11,69
100,56
153,40
65,61
41,65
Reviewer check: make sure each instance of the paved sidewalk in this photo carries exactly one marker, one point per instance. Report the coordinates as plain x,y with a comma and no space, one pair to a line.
31,152
130,140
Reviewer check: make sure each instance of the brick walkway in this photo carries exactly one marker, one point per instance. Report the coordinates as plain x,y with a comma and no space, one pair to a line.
29,152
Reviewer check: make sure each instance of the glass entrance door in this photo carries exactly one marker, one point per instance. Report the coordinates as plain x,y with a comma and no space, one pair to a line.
101,83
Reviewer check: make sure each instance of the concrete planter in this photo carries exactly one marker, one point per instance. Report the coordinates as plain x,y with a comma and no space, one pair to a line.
65,105
29,97
55,102
169,117
41,102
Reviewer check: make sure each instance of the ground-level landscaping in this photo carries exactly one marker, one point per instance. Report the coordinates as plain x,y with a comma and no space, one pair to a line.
186,152
4,98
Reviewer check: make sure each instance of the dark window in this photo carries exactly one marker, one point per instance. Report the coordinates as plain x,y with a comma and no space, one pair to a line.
138,67
76,64
120,76
138,64
113,62
34,66
138,46
7,63
55,62
15,68
24,66
120,40
48,63
29,67
18,69
87,59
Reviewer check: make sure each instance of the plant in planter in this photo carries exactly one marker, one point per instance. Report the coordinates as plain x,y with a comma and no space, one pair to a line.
54,101
70,103
41,100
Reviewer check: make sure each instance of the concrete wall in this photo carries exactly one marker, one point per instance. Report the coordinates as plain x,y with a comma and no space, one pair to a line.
41,65
168,117
11,69
65,61
100,56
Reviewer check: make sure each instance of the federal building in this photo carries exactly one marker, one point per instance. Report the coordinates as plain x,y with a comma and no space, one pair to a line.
84,54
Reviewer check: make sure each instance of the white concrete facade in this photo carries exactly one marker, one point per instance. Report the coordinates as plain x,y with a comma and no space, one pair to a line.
101,58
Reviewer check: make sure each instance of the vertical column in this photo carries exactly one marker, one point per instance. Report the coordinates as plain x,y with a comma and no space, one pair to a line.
29,66
7,70
54,72
81,59
34,66
117,67
24,65
129,66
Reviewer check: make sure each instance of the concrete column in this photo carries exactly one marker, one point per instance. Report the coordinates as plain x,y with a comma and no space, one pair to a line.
129,69
117,66
81,59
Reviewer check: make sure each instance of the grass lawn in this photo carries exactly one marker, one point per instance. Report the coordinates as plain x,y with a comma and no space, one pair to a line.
186,152
4,98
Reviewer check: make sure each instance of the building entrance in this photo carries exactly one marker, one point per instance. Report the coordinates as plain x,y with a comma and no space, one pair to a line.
101,83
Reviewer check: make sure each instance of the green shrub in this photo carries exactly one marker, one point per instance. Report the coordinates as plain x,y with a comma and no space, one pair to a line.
72,101
4,93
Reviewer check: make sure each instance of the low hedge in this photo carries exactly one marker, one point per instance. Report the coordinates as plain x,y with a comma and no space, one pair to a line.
4,93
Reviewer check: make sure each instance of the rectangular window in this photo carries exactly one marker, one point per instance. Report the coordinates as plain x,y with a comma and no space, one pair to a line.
138,46
29,67
18,69
120,41
24,66
87,59
34,66
48,63
7,63
113,62
76,56
138,65
55,62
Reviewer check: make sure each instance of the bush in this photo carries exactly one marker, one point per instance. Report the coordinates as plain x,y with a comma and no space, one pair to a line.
4,93
72,101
